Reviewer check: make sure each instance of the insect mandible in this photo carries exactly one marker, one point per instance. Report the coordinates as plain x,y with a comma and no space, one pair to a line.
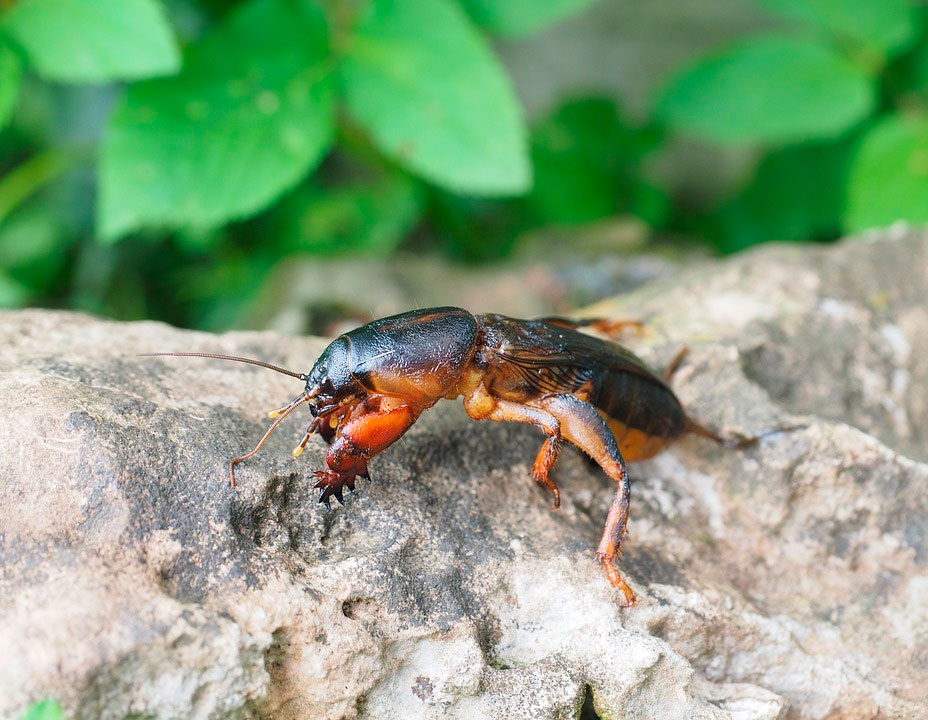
371,384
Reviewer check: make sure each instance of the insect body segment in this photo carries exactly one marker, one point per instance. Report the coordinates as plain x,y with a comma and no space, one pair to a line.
371,384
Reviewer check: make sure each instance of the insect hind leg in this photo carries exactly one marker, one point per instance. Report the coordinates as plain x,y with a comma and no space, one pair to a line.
582,425
609,327
674,364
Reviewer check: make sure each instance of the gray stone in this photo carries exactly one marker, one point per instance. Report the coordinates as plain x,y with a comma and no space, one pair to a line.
787,579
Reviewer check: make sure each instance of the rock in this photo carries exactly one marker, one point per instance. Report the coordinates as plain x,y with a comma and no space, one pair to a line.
787,579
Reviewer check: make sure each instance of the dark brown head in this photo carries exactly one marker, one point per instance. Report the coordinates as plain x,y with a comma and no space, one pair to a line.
331,381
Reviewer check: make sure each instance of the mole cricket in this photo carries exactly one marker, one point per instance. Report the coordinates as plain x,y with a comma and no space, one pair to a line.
371,384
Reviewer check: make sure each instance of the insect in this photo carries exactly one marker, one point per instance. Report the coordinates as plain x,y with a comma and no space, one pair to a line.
370,385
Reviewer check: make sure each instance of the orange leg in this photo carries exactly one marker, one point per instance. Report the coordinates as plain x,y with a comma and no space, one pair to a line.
674,364
585,428
480,405
607,326
358,440
569,417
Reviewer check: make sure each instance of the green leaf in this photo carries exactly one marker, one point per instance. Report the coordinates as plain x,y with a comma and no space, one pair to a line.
889,175
520,17
200,241
251,114
650,203
586,161
423,83
907,83
11,74
13,294
885,26
26,178
33,246
94,40
221,294
773,89
370,218
797,194
44,709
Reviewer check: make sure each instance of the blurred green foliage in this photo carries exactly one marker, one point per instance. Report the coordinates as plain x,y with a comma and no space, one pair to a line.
229,136
44,710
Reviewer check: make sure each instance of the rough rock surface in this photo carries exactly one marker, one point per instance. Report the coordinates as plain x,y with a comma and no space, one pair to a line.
786,580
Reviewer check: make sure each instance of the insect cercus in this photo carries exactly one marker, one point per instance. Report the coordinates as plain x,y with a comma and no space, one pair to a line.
371,384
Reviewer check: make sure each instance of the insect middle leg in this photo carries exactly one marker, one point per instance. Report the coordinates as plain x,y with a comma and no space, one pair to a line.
582,425
480,405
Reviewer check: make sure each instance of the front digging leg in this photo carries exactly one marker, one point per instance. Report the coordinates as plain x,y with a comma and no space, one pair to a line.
358,440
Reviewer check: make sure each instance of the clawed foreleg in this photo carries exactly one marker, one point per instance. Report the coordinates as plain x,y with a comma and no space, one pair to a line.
359,439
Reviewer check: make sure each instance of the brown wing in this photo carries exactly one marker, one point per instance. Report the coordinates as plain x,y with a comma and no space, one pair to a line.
605,374
537,343
551,358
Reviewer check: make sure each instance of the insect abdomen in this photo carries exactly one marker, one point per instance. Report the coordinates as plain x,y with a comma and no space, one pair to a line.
644,415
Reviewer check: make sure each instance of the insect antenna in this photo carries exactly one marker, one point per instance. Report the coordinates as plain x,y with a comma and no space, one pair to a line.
260,363
286,410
